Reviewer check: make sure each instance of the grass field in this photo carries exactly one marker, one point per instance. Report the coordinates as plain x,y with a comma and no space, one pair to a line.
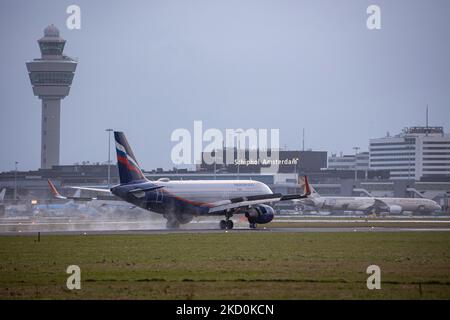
355,224
253,265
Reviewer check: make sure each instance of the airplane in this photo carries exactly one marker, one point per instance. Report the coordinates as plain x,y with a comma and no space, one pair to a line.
101,205
76,204
55,208
372,204
180,201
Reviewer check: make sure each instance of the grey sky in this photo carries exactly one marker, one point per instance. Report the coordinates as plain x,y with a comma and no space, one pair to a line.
149,67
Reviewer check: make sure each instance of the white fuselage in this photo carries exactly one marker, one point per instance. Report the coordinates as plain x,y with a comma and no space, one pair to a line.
210,191
362,203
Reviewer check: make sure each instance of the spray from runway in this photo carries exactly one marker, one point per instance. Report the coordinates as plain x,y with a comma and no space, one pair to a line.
95,220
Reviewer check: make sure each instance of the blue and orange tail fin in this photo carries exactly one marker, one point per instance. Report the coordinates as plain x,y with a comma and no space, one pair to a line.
129,170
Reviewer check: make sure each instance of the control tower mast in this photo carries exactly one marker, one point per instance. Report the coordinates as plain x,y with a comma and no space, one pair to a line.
51,77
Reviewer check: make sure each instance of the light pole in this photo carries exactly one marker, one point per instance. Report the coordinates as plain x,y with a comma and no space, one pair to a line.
15,180
109,156
356,167
238,151
215,164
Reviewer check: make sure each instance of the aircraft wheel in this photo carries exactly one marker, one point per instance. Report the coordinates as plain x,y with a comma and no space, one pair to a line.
230,224
252,225
223,224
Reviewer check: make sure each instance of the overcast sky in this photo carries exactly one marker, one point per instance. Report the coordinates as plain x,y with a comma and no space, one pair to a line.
150,67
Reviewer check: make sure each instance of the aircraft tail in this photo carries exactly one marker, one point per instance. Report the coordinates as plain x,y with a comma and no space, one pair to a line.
129,170
307,188
54,191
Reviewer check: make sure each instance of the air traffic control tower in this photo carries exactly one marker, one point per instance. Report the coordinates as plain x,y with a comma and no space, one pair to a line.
51,77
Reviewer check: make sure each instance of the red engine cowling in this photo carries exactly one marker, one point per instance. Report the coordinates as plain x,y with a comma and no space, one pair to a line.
260,214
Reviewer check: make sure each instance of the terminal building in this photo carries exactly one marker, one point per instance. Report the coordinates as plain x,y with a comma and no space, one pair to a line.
360,161
291,161
418,153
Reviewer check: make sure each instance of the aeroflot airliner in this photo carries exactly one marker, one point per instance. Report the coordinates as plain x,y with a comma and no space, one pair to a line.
180,201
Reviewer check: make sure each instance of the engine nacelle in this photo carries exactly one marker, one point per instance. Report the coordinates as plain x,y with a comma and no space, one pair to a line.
260,214
395,209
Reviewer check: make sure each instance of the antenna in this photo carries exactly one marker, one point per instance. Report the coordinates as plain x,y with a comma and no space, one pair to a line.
427,116
303,141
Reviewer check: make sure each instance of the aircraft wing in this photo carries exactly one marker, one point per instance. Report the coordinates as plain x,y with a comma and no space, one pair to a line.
92,189
242,202
377,204
137,190
57,195
380,204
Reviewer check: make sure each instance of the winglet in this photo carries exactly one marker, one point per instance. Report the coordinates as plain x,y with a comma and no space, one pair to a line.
55,192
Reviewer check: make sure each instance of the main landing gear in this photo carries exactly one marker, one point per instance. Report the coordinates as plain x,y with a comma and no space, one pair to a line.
226,224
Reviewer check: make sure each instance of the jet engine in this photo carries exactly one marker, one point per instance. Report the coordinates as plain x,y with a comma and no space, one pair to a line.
260,214
395,209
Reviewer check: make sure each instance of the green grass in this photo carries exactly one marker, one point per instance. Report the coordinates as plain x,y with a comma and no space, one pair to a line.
228,265
355,224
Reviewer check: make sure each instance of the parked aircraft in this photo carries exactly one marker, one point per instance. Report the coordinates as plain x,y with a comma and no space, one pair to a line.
372,204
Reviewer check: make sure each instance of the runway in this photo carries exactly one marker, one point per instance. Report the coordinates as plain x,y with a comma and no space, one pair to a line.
216,230
73,226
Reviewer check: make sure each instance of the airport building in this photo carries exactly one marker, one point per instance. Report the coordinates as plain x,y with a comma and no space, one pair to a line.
290,161
362,161
342,162
418,153
51,77
359,161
